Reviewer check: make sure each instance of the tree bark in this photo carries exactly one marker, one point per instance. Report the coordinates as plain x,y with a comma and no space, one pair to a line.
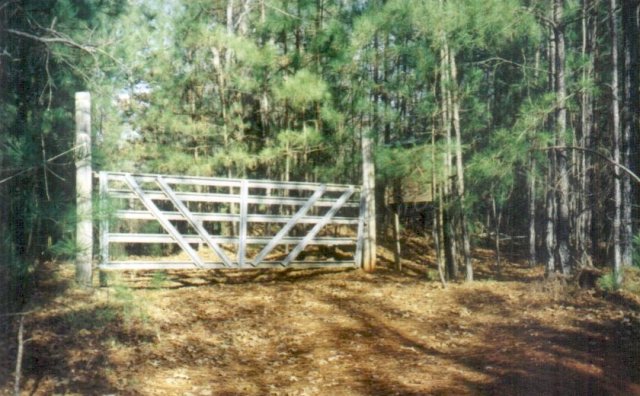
550,235
84,226
438,208
630,113
450,240
584,208
562,251
532,212
497,219
615,130
466,244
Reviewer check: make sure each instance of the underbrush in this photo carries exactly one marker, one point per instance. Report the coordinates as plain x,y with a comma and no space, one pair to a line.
130,308
16,283
630,283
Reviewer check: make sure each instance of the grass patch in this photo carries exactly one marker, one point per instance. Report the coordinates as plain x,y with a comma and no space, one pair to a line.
133,309
92,319
159,279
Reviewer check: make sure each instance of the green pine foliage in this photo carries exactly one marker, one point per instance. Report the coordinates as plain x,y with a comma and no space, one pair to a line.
49,50
285,90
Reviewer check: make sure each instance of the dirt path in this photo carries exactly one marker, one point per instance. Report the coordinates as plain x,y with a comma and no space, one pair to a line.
326,333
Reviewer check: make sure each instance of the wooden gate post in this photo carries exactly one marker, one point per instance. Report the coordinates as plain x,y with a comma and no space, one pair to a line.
369,193
84,215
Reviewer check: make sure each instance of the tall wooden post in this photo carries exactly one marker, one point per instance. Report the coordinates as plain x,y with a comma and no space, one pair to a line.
84,227
368,191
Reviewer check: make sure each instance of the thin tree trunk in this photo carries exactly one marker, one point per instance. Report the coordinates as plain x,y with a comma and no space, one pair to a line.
550,237
550,203
397,251
532,212
563,252
584,207
630,108
466,244
18,372
451,245
615,117
439,234
438,207
497,219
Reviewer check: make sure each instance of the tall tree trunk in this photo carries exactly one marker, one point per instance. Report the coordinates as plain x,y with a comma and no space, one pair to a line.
497,219
630,111
615,117
550,234
563,250
532,212
550,202
466,244
584,207
450,240
438,209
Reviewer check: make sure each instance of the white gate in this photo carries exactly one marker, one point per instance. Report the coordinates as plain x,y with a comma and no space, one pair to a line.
228,223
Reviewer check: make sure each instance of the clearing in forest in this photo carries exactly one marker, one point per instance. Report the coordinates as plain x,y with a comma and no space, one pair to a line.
325,332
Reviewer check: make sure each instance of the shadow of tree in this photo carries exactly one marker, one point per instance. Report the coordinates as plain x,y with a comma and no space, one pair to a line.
182,279
64,345
334,332
538,360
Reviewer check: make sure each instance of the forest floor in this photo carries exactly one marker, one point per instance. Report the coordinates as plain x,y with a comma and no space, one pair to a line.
326,332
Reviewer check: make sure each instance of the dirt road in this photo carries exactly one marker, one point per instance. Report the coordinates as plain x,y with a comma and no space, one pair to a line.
325,333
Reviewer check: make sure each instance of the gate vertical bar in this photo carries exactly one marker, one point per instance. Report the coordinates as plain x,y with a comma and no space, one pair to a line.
105,211
242,238
289,225
360,241
195,223
84,216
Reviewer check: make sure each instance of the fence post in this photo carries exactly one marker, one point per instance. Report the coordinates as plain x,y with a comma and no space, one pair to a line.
84,227
369,192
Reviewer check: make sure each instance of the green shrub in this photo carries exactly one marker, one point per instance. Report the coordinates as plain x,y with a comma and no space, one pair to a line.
608,282
65,249
133,309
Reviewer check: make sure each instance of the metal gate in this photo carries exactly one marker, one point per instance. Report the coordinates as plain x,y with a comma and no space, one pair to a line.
202,222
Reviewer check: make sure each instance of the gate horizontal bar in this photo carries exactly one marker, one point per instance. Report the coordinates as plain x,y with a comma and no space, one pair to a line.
252,218
250,202
228,198
166,238
174,234
177,265
189,218
225,182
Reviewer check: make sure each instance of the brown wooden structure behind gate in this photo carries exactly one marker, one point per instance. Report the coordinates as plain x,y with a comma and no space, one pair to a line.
228,223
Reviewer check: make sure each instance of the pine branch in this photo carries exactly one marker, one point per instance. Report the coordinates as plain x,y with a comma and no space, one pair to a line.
8,3
626,170
58,39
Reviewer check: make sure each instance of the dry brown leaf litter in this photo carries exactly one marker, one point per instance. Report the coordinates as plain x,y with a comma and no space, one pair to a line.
326,332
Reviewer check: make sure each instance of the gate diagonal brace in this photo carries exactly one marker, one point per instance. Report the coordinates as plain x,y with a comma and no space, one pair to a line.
290,224
191,220
314,231
164,222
